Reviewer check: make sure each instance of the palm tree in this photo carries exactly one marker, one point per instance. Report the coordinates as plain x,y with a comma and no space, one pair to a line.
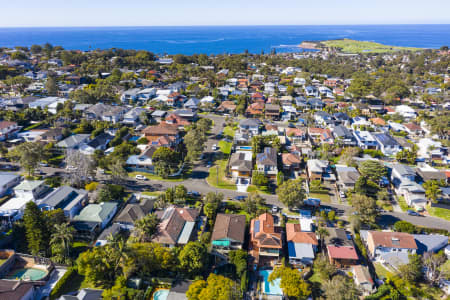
322,233
145,228
62,237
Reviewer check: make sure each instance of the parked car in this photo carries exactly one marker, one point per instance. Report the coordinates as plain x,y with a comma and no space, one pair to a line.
209,165
214,147
140,177
342,194
193,194
42,164
240,198
412,213
274,209
71,168
9,168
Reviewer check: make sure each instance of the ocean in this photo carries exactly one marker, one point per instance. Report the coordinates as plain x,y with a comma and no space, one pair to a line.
222,39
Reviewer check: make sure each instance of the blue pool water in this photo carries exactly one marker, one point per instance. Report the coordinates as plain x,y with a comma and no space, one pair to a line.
270,288
245,147
161,295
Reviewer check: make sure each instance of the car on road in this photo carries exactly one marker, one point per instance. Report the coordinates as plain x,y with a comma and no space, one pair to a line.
412,213
214,147
274,209
9,168
140,177
71,168
194,194
42,164
342,194
209,165
240,198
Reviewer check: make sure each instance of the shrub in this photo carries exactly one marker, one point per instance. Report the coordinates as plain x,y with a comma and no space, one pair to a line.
142,141
90,187
65,279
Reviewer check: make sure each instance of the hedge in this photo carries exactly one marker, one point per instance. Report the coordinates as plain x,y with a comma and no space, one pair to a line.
57,290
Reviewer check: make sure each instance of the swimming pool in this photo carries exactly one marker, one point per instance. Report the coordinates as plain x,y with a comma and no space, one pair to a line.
270,288
161,294
28,274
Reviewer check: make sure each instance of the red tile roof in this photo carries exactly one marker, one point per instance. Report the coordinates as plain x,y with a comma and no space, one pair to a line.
345,252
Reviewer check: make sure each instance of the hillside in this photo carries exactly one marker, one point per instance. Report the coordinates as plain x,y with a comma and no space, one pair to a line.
353,46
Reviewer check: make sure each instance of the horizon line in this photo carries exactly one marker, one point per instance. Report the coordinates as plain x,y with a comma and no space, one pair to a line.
225,25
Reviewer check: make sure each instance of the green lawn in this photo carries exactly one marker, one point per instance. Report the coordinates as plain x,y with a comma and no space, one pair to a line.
228,131
402,203
223,182
439,212
225,147
381,271
353,46
154,177
263,189
324,198
155,193
386,207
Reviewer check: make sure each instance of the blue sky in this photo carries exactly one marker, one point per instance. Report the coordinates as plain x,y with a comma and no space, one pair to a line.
221,12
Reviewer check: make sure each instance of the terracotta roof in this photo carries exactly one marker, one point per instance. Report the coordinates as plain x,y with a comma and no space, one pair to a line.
289,159
378,121
161,129
263,233
229,226
172,223
6,124
393,239
294,132
342,252
413,126
294,234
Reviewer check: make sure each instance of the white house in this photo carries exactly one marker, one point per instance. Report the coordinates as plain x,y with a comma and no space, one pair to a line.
406,111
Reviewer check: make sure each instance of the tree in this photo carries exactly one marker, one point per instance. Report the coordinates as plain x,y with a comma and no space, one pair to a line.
436,266
364,186
259,179
432,190
145,228
280,178
118,172
36,230
360,86
83,167
291,282
51,86
341,288
29,155
165,161
216,287
252,203
412,271
407,155
372,170
365,207
291,193
180,193
61,242
194,141
239,259
193,258
322,233
323,267
348,155
404,226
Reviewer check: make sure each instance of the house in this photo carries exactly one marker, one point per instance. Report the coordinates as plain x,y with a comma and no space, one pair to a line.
52,135
291,161
320,135
344,136
340,248
387,144
129,96
316,168
228,233
295,135
192,103
302,246
347,177
341,118
365,140
17,290
152,133
84,294
267,162
159,115
380,243
430,242
114,114
272,111
323,118
250,126
405,111
401,174
7,182
241,164
363,279
413,193
99,142
311,91
255,110
315,103
74,141
68,199
132,117
414,129
106,235
133,212
176,226
51,103
142,162
30,189
99,214
227,107
8,130
265,240
376,106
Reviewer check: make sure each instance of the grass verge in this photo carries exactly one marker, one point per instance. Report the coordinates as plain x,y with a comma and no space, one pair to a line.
155,177
402,203
439,212
324,198
222,182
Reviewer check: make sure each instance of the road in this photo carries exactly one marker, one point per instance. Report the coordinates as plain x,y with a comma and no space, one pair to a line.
198,183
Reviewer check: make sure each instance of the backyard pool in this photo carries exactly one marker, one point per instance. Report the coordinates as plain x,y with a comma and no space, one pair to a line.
28,274
270,288
244,148
161,294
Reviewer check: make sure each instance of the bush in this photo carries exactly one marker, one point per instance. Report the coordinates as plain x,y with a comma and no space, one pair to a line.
142,141
404,226
374,153
90,187
65,279
53,181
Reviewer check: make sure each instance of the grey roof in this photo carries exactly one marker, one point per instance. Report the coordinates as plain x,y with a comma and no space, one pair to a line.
268,157
395,259
342,132
250,122
238,160
84,294
64,194
159,113
29,185
403,170
100,140
72,140
133,212
430,242
7,177
111,230
386,140
193,102
300,250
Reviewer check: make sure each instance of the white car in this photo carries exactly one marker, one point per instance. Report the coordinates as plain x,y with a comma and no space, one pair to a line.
71,168
140,177
214,147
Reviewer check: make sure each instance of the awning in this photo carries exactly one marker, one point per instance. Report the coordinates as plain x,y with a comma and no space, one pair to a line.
221,243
